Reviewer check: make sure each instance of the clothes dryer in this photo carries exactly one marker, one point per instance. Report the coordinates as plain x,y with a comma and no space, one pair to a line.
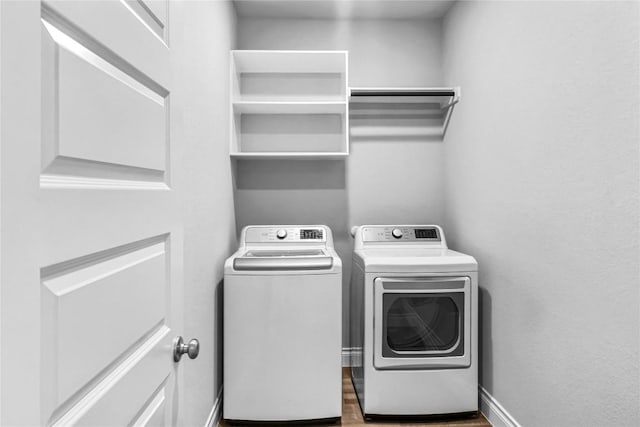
414,322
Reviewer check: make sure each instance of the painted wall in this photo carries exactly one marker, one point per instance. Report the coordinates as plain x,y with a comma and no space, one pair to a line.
383,180
542,174
204,32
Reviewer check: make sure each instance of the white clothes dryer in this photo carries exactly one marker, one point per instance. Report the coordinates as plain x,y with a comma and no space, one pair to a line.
414,323
283,326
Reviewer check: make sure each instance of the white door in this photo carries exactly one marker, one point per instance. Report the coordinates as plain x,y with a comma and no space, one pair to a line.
91,236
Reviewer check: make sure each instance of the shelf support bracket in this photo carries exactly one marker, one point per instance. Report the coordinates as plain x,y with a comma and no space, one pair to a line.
453,100
449,106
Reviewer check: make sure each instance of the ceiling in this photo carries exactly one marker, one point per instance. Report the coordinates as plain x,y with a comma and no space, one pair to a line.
343,9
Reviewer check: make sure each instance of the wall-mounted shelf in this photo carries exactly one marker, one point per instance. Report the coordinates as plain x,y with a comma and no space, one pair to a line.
284,155
444,96
289,107
289,104
290,61
401,112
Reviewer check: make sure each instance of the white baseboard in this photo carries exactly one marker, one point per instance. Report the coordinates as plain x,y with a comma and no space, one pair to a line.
494,411
348,356
216,411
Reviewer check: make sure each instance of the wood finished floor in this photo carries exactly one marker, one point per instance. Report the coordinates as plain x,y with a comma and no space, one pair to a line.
351,415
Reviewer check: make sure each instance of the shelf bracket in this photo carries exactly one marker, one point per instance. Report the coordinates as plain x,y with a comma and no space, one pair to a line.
449,107
453,100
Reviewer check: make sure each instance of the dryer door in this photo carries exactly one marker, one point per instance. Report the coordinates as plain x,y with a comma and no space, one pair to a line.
422,323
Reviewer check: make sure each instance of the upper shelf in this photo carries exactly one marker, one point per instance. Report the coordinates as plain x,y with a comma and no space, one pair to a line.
290,61
445,97
289,104
288,76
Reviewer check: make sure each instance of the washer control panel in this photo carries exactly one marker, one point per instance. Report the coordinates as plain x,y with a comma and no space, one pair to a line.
400,234
285,234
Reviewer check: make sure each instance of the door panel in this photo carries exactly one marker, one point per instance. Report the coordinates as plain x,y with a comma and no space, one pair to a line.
102,117
119,397
94,289
96,266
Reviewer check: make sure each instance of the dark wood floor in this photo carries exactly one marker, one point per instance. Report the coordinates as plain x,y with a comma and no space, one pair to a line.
351,415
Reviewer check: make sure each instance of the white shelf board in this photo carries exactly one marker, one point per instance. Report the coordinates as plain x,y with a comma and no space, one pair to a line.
391,132
408,90
286,107
289,155
291,61
306,99
443,96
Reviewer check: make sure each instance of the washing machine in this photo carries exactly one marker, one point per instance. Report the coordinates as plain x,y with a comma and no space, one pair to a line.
414,323
283,326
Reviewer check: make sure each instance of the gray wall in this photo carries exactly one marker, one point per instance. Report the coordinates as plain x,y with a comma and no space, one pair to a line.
205,34
383,180
542,174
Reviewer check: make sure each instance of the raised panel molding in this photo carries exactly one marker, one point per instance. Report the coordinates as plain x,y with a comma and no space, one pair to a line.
113,26
120,293
104,121
69,172
124,388
152,14
153,412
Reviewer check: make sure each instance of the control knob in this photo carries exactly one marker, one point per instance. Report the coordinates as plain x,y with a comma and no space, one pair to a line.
281,234
397,233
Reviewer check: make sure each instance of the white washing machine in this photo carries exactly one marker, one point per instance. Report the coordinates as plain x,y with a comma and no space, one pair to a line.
414,322
283,326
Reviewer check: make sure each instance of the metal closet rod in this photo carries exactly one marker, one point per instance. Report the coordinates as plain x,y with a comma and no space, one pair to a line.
402,93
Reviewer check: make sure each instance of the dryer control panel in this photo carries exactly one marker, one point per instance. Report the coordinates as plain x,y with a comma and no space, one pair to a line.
400,233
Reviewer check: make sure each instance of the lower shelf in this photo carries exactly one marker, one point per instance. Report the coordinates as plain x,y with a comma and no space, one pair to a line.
290,155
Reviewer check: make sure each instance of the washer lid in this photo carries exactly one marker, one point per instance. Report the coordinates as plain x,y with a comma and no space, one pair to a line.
283,259
414,260
266,253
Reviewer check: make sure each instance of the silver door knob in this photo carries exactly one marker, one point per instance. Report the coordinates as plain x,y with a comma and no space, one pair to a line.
179,348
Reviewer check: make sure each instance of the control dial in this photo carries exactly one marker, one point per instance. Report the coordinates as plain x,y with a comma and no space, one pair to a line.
397,233
281,234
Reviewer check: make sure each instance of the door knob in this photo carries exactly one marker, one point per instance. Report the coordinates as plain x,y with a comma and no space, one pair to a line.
179,348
